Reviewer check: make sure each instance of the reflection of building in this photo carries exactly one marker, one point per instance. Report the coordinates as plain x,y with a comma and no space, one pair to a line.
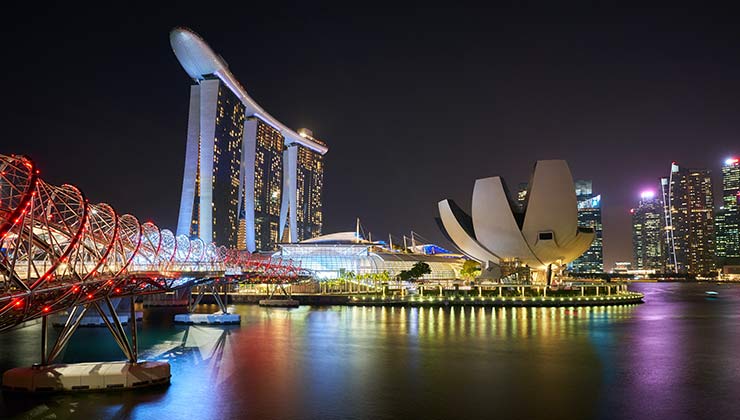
589,215
245,181
728,218
332,256
542,236
647,232
689,220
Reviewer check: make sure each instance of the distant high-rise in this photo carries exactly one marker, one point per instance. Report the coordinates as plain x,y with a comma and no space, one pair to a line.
648,232
242,166
521,194
728,218
689,215
589,215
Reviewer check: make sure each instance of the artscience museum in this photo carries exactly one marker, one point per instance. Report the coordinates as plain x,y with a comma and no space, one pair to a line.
533,241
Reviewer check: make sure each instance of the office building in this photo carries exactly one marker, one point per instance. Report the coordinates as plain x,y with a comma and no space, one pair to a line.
648,232
689,215
589,215
728,220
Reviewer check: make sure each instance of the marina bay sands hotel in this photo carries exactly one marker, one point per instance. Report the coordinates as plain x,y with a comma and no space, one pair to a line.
250,181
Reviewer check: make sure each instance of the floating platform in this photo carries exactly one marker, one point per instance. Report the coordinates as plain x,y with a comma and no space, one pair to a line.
219,318
280,303
86,376
94,320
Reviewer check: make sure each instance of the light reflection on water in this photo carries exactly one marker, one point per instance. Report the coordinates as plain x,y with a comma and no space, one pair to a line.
672,357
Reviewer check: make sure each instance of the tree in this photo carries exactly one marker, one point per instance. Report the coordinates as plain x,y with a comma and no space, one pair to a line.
470,269
420,269
417,271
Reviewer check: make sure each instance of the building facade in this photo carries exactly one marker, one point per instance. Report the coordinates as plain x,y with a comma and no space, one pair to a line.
589,215
689,215
310,187
244,170
211,192
727,221
648,232
333,256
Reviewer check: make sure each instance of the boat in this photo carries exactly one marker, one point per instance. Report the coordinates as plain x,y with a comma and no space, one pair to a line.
711,294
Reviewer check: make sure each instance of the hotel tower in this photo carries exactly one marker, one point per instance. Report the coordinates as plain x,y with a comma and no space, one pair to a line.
249,182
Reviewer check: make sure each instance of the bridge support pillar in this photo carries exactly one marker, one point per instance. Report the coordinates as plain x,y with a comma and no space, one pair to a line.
50,377
222,317
44,336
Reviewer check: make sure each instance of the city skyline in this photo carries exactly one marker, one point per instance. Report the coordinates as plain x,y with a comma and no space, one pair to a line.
298,210
597,118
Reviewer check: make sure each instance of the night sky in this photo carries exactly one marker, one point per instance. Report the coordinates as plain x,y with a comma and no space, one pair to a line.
415,103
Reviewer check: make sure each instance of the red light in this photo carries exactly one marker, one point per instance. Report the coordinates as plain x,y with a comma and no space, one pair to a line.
18,303
118,290
89,296
75,289
46,309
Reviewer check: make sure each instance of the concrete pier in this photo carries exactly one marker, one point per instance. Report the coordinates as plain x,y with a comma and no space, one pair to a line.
218,318
86,376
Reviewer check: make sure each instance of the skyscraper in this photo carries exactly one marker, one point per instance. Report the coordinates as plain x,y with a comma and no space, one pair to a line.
689,215
648,232
242,166
521,194
728,218
589,215
211,187
310,185
264,145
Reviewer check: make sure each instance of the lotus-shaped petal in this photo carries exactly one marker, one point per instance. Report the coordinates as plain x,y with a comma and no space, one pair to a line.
544,232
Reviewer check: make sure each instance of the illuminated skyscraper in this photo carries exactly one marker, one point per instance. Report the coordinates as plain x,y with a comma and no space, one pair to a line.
310,184
589,215
264,145
241,164
689,215
648,233
211,184
521,194
728,219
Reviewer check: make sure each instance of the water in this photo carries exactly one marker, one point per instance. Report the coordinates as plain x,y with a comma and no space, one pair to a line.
676,356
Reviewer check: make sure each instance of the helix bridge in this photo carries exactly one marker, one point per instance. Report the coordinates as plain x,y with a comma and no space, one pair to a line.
61,253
